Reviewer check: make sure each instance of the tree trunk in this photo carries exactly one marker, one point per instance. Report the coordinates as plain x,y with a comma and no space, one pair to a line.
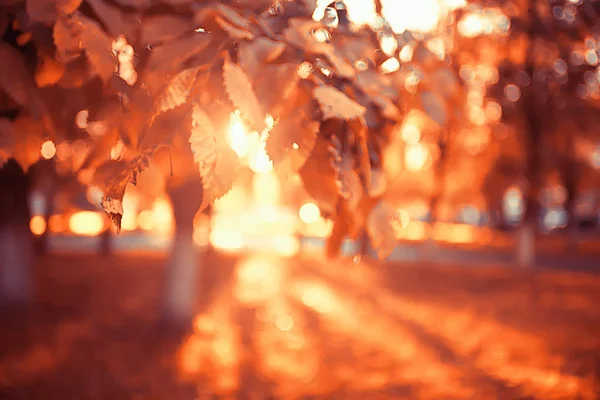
429,248
569,179
526,235
181,291
525,244
44,179
105,245
16,242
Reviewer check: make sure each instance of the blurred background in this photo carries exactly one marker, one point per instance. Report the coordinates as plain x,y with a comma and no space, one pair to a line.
490,289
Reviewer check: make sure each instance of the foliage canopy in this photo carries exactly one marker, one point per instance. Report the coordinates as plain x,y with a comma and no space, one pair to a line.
329,100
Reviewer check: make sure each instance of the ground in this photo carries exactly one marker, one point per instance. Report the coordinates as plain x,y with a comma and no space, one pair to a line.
303,328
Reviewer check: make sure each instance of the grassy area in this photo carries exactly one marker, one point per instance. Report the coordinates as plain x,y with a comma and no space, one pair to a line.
278,328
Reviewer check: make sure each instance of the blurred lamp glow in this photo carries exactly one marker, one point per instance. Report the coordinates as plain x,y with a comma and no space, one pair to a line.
48,149
37,225
258,160
86,223
238,136
416,157
309,213
162,215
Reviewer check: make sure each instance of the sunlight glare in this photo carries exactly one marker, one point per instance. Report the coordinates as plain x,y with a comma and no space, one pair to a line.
56,224
416,157
238,136
162,215
309,213
226,239
37,225
130,211
48,149
86,223
318,296
258,160
259,278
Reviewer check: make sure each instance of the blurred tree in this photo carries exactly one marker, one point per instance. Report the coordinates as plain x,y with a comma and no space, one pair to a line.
135,83
365,113
16,257
544,62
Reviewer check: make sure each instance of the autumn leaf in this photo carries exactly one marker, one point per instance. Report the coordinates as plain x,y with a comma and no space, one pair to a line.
341,227
157,29
7,141
254,54
110,16
122,173
49,71
295,136
379,182
351,187
166,125
176,92
66,39
359,131
28,136
234,32
349,222
435,106
14,79
98,48
240,91
218,163
342,68
380,227
17,82
167,59
290,142
275,85
319,176
46,11
301,33
335,104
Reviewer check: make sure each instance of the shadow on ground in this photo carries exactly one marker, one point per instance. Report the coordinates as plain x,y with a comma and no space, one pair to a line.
303,328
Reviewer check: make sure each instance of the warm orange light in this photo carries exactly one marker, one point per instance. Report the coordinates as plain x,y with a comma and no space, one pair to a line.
56,224
320,228
130,210
86,223
162,215
238,137
145,220
259,279
266,188
401,218
226,239
416,157
471,25
258,160
48,149
286,245
309,213
117,150
201,236
37,225
284,322
81,119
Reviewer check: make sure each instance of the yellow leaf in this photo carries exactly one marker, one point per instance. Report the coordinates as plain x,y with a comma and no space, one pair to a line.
336,104
240,91
98,48
176,93
49,71
381,229
218,163
254,54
